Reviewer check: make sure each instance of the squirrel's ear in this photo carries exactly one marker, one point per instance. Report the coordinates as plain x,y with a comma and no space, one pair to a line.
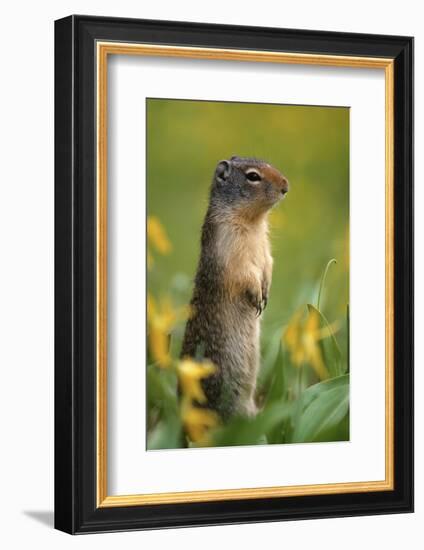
223,170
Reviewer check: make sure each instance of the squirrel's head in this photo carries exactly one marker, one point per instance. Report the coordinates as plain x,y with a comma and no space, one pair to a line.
249,185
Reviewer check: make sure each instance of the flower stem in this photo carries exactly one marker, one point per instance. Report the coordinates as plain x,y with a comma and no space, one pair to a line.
324,276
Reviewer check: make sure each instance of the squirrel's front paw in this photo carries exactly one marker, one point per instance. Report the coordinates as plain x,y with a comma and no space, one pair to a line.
265,289
256,300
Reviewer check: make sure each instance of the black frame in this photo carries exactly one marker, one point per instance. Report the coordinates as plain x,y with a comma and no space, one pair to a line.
75,275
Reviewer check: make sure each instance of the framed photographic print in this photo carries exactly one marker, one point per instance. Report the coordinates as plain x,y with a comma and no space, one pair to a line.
234,274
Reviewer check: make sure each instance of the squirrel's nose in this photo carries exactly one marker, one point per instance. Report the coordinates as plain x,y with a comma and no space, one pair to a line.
284,185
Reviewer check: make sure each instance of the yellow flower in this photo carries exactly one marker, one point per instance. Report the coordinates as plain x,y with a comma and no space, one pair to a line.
162,318
302,338
150,260
157,235
151,306
159,347
190,374
293,338
197,421
311,337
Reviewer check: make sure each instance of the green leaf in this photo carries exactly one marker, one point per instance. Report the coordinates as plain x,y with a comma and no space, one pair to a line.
269,358
252,431
325,410
322,283
329,346
162,388
314,391
277,387
348,337
167,434
277,392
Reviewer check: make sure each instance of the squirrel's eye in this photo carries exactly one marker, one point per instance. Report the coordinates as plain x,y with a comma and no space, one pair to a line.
253,176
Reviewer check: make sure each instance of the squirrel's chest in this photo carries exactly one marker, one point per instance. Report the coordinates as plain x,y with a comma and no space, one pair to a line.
243,252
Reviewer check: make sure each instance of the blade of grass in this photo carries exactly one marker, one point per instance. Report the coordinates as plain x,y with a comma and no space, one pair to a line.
322,283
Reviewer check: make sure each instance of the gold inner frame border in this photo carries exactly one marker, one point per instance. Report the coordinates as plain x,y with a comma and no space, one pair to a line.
103,50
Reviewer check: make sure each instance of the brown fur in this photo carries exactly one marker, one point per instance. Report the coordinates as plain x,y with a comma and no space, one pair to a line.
232,282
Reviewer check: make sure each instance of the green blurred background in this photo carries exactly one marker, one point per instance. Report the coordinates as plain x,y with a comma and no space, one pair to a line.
308,144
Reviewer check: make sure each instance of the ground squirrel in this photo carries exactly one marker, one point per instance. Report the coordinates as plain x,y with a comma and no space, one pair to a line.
232,281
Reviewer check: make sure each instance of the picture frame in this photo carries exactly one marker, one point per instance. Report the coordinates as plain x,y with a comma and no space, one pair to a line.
83,45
